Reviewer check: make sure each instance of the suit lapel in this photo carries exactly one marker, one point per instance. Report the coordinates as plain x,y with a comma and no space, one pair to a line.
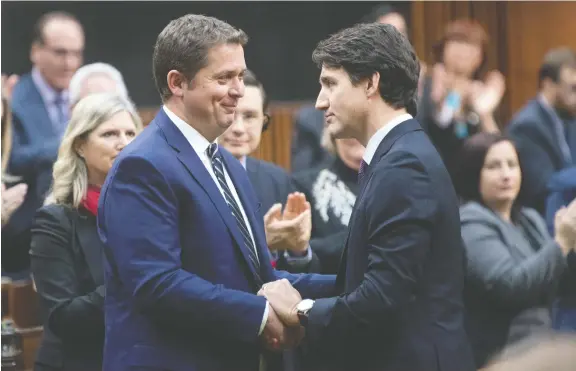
241,185
90,245
188,157
548,132
383,148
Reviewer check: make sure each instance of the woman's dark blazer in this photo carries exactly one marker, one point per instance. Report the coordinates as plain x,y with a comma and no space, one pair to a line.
66,262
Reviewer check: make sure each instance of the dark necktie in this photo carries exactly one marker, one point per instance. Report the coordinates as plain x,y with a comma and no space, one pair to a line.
61,114
218,167
362,171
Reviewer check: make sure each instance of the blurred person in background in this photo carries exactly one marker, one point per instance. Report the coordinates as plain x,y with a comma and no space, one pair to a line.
96,78
513,265
66,252
13,196
540,354
331,191
459,98
561,192
287,228
544,130
40,108
387,14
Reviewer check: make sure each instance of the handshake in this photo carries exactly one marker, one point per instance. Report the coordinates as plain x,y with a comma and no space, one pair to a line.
282,329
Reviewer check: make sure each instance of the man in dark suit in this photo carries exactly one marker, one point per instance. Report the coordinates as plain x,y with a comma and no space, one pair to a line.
544,130
401,279
185,250
40,115
287,229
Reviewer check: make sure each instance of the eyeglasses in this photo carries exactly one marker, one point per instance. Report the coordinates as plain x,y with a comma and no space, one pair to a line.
63,53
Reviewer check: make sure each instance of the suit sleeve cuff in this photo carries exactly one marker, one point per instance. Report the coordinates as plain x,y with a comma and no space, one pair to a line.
298,261
264,318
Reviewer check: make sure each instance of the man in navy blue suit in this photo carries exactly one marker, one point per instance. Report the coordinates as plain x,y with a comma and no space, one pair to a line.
402,274
185,250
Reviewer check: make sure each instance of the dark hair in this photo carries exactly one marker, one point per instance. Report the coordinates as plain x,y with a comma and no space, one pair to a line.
368,48
183,45
378,12
470,163
250,79
554,61
468,31
42,22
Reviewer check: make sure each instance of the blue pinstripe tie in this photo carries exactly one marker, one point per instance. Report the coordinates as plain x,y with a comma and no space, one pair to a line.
218,167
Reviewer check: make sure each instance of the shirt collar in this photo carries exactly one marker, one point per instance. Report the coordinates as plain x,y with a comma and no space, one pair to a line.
196,140
47,92
243,161
379,136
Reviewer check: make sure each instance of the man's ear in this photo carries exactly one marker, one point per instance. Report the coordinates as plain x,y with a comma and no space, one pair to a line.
372,88
177,82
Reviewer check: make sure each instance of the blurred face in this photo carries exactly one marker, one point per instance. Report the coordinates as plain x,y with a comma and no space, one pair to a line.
61,53
243,137
462,58
395,20
350,152
344,104
500,177
566,90
104,143
213,95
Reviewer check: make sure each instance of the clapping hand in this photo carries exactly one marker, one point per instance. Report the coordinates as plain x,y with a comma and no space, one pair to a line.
565,227
289,230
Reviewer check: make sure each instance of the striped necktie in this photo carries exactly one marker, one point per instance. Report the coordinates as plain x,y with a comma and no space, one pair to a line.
218,167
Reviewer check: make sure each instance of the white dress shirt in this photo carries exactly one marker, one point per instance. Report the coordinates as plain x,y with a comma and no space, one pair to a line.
200,145
379,136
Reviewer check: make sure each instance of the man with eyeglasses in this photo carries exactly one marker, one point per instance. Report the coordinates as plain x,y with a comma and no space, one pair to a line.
40,106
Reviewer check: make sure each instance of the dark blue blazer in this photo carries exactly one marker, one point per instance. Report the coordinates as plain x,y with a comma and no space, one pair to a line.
533,133
271,183
34,150
180,293
401,278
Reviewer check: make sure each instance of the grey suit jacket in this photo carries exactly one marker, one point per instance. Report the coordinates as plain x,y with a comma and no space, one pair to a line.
512,275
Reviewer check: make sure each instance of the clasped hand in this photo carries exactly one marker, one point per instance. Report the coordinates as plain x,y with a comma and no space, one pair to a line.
282,330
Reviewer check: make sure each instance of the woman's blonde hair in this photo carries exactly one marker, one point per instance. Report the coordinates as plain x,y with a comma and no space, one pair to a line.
70,172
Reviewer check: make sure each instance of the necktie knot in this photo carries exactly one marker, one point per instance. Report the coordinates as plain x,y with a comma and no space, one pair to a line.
211,150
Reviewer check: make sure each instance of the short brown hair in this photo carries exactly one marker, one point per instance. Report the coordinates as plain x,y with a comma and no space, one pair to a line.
554,61
183,46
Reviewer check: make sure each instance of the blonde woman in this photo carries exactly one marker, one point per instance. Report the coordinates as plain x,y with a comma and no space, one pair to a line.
66,251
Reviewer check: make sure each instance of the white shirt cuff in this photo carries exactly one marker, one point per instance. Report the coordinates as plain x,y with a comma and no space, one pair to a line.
264,318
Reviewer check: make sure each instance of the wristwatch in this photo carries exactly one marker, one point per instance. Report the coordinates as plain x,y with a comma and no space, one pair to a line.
302,309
